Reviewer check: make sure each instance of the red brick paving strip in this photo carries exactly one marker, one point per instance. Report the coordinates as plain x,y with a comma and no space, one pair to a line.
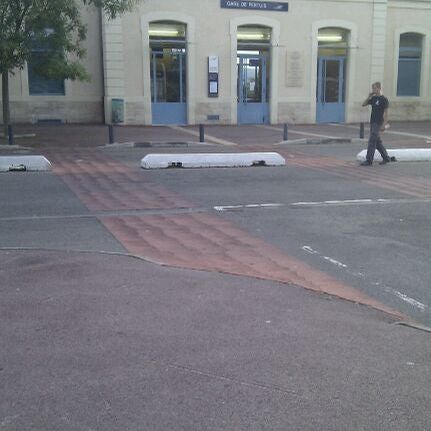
195,241
105,185
382,178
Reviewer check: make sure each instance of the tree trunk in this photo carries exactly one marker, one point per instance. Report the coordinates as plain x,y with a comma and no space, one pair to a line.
5,101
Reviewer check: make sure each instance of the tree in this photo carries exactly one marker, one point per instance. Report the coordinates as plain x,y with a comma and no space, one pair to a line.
54,25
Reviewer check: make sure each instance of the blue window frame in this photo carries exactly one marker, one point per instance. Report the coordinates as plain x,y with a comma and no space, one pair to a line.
40,85
409,64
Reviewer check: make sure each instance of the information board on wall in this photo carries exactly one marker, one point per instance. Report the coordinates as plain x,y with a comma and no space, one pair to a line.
213,73
255,5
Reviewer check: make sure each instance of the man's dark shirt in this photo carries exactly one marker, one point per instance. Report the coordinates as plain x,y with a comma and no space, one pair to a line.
378,106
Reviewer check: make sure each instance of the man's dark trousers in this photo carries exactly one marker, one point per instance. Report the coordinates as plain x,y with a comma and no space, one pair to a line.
375,142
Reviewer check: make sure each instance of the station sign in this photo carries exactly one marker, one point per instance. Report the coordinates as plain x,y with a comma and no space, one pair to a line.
255,5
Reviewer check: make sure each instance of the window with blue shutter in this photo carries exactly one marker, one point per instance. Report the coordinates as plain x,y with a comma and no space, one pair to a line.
409,64
38,84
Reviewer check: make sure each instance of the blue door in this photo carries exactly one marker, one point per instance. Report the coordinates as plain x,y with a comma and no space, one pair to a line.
168,86
252,89
330,90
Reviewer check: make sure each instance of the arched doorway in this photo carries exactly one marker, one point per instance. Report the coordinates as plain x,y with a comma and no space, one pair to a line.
253,78
331,75
168,72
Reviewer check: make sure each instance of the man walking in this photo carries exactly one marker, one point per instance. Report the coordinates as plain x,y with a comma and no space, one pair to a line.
378,123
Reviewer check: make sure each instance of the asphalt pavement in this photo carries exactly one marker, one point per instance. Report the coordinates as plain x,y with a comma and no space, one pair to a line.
179,299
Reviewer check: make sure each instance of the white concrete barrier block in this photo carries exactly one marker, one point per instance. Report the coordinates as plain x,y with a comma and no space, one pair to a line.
402,155
211,160
24,163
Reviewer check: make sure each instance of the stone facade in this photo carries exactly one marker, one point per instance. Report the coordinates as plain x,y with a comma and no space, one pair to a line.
123,71
410,111
82,101
294,113
66,111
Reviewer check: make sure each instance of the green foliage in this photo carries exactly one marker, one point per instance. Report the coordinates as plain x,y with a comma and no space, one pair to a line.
112,7
52,26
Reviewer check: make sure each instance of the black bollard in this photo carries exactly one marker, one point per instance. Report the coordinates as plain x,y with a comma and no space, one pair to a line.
10,134
361,130
111,133
285,132
201,133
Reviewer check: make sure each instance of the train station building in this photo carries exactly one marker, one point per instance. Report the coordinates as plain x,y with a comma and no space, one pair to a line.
242,62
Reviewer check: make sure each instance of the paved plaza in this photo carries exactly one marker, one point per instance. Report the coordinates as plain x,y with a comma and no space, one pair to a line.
263,298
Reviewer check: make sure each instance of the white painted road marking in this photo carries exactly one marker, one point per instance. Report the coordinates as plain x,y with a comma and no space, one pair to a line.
413,302
345,202
207,136
236,207
299,133
422,307
387,132
348,202
340,202
402,296
329,259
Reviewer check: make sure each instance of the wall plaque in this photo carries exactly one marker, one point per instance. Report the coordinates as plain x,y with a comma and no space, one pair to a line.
294,69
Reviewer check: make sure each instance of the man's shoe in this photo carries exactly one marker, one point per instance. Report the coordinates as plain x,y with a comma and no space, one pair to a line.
366,163
391,159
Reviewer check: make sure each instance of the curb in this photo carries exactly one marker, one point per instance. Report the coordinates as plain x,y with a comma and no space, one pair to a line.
151,144
154,144
211,160
401,155
14,147
361,299
24,163
319,141
20,136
